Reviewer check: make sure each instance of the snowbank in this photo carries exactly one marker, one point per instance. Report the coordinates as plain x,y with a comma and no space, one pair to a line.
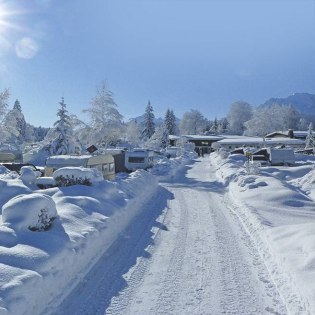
277,209
39,266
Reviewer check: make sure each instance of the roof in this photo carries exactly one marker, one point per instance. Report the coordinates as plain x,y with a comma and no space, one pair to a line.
257,140
201,137
72,160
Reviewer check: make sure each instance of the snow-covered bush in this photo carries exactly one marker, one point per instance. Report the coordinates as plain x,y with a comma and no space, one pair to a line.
223,153
68,176
252,168
35,212
28,175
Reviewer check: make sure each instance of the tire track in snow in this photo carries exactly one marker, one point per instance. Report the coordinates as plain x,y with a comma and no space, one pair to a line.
105,280
170,290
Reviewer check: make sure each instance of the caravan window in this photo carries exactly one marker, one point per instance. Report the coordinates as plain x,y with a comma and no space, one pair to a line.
111,167
136,159
105,168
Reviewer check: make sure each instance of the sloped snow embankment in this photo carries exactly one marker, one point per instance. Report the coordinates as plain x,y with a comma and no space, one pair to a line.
280,217
37,267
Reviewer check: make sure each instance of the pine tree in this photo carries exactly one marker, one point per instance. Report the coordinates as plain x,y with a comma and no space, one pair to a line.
149,125
64,142
310,138
20,121
170,122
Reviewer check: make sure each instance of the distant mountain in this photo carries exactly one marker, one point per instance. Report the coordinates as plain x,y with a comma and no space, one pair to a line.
302,102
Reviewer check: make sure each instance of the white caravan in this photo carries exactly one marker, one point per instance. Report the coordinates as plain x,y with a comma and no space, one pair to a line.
139,159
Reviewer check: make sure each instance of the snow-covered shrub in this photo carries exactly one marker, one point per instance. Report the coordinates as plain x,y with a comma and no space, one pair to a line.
28,175
68,176
252,168
35,212
223,153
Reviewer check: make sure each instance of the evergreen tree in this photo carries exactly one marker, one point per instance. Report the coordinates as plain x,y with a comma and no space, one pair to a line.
148,124
64,142
159,139
310,138
15,125
170,122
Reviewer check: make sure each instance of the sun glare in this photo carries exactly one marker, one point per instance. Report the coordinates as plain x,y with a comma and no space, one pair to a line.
7,15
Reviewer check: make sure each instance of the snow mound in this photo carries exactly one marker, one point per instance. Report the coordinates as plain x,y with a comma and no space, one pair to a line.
10,188
28,175
67,176
7,174
33,211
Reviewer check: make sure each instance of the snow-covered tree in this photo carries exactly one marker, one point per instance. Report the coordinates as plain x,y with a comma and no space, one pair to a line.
193,123
133,133
148,123
223,125
271,118
105,125
303,124
15,123
170,122
159,139
64,141
39,133
310,138
239,113
4,97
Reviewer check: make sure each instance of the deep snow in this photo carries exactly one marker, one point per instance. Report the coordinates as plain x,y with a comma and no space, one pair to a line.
113,222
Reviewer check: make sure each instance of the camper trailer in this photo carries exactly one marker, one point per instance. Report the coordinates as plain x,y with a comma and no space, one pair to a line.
283,156
6,157
139,159
103,162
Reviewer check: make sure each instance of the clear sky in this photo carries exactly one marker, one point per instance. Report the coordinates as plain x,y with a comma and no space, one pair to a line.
181,54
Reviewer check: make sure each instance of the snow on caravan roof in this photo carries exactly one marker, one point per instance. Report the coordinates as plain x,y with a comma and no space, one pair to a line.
257,140
71,160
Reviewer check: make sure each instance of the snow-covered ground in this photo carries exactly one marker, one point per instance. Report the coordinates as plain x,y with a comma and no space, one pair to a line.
38,268
277,208
209,239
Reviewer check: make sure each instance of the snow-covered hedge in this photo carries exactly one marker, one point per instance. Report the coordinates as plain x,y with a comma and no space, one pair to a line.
68,176
35,212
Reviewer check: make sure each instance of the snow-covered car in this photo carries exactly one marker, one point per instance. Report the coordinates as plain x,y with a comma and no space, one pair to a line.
16,167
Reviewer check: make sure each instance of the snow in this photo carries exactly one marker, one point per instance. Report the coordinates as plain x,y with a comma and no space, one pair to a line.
91,174
40,266
26,212
184,215
72,160
277,208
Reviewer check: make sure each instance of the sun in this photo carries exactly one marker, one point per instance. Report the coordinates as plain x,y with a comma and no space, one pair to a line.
7,15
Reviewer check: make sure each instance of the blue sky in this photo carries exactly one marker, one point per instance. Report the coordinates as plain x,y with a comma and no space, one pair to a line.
200,54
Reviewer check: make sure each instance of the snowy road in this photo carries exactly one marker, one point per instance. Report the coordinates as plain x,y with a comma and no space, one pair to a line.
186,254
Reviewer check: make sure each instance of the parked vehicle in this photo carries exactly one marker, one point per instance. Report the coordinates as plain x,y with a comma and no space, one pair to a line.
283,156
6,157
16,167
103,162
139,159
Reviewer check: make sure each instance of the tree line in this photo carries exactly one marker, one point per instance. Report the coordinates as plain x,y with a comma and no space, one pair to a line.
105,125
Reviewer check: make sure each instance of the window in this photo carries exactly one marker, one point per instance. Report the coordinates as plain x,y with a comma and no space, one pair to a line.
111,167
136,159
105,168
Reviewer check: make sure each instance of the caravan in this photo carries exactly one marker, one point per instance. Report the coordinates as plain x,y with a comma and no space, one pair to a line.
139,159
103,162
